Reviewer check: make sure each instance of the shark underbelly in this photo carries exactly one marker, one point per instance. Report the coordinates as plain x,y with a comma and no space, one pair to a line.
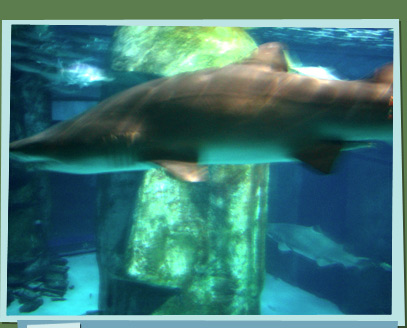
243,153
94,165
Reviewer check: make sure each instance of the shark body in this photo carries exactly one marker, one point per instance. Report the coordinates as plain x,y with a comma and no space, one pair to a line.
316,246
248,112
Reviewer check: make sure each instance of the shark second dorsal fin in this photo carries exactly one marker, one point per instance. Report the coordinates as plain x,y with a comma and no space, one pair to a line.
383,74
269,54
321,156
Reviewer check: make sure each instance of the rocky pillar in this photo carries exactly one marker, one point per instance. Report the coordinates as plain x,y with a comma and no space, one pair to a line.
190,248
29,201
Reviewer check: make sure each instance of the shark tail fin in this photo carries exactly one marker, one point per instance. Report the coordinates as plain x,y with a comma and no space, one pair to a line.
365,263
385,266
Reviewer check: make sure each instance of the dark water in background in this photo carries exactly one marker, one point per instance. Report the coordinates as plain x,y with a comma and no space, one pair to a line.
352,206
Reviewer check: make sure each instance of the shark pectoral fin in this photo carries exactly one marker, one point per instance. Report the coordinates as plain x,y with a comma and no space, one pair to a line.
185,171
283,247
321,156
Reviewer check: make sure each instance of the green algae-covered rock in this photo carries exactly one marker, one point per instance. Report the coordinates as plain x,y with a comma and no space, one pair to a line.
29,192
192,248
169,50
206,239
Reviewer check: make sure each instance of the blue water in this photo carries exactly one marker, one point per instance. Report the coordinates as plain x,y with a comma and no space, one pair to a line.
352,206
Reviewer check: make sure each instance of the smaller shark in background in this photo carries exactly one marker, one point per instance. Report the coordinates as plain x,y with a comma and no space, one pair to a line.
314,245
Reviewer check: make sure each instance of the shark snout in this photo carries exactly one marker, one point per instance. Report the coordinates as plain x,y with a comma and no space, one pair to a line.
26,150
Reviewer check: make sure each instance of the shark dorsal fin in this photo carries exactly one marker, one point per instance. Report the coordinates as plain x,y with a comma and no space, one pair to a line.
269,54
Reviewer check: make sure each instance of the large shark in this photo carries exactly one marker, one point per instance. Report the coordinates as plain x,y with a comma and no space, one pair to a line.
316,246
253,111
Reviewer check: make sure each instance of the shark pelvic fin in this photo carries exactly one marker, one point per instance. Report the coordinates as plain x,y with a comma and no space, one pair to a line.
283,247
321,156
185,171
